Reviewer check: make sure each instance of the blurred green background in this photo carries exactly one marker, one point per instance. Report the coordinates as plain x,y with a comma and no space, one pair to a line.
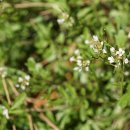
37,37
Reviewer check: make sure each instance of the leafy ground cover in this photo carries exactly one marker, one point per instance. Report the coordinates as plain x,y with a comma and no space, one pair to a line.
64,64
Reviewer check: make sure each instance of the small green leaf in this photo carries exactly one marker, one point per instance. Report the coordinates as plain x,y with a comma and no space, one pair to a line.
18,101
121,38
124,100
82,114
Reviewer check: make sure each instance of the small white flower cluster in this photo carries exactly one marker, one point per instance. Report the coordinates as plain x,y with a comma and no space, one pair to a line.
23,82
3,72
117,57
5,112
95,44
81,64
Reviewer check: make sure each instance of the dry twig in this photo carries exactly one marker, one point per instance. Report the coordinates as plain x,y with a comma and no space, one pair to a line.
13,88
6,91
48,121
30,122
30,5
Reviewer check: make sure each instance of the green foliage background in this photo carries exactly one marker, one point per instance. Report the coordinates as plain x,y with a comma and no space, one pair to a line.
32,42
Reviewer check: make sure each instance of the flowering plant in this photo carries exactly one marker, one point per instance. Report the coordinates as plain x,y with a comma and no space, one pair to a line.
54,74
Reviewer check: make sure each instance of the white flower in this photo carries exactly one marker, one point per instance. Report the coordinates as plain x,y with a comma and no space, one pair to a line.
60,21
79,57
126,73
27,77
88,62
102,43
23,87
126,61
72,59
120,52
20,79
79,62
111,59
95,38
112,49
86,41
77,69
76,52
87,68
5,112
104,51
17,86
27,83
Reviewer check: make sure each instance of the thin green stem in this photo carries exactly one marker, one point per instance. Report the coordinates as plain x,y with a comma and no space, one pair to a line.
122,79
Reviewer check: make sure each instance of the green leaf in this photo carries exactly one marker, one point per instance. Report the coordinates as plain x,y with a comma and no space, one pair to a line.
121,38
31,63
18,101
82,114
124,100
16,111
83,12
128,88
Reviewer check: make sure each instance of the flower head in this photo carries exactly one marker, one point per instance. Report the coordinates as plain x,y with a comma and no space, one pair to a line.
104,51
23,82
72,59
20,79
95,38
5,112
120,52
112,49
27,77
77,69
88,62
17,85
111,59
60,21
87,68
102,43
126,73
126,61
76,52
87,41
79,62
